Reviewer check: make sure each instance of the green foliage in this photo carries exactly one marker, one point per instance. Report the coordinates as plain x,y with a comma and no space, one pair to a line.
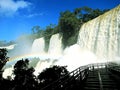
24,78
85,14
51,74
3,60
68,24
21,65
38,31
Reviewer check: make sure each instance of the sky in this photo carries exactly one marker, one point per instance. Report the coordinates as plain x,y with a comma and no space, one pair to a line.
17,17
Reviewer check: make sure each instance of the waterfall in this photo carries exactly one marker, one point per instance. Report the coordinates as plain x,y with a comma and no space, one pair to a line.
55,46
38,46
54,52
101,35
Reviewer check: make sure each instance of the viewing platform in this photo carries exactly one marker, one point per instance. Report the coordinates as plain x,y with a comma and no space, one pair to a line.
98,76
101,78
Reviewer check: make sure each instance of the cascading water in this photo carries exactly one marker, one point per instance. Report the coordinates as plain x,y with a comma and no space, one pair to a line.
38,46
55,47
54,52
101,35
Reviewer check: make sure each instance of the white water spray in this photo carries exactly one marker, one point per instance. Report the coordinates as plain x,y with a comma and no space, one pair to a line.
74,57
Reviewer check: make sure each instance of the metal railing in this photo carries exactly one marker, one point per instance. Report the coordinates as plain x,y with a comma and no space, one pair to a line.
77,75
114,68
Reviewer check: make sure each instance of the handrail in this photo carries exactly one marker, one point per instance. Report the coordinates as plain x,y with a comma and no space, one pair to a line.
114,68
79,74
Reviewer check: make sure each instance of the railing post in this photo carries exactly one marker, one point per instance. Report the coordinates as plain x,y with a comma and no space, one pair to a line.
93,67
80,75
87,71
106,67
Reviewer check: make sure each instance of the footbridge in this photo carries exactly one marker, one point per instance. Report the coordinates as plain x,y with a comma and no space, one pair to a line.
97,76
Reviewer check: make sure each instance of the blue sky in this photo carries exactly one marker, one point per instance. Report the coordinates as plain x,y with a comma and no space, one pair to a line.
17,17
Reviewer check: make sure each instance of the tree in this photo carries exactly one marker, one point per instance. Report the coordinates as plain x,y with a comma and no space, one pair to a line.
24,77
37,31
51,74
4,83
85,13
68,24
3,59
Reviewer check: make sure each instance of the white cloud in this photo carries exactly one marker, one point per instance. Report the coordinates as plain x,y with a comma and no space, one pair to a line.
10,7
35,14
